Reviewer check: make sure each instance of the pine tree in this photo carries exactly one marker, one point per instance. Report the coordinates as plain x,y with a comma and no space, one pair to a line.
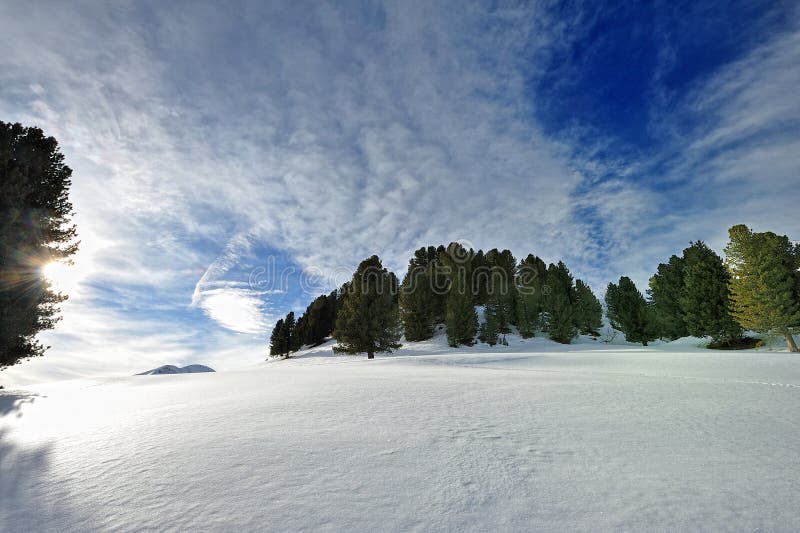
588,310
368,320
490,328
559,304
300,332
276,339
531,280
666,288
765,284
494,314
704,298
480,277
35,229
629,312
501,287
461,321
289,333
418,302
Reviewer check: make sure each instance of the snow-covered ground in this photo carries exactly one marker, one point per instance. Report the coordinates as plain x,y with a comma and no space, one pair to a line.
533,436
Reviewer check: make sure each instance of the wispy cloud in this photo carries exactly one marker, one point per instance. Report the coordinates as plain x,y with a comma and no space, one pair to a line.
205,139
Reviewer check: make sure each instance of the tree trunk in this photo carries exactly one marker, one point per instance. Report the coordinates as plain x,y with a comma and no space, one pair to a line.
790,341
370,355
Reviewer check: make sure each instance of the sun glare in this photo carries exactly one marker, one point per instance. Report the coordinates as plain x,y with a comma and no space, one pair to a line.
62,276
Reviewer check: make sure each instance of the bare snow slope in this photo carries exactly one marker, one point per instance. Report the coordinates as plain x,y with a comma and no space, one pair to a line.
530,437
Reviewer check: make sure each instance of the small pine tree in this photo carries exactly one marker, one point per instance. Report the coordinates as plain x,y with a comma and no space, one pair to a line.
704,298
559,304
666,288
629,312
765,284
588,310
368,320
276,339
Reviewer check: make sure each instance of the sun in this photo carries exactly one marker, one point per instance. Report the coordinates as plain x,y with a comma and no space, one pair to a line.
61,275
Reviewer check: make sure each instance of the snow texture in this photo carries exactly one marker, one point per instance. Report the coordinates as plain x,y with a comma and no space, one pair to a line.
530,437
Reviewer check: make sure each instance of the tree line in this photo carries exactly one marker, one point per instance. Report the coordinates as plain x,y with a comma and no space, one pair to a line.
443,285
756,287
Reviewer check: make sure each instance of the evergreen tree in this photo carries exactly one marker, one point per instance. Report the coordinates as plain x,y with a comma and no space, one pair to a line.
704,298
494,311
559,304
490,328
276,339
629,312
501,287
531,279
480,277
301,332
418,301
666,288
289,334
765,284
35,229
461,321
317,323
368,320
588,310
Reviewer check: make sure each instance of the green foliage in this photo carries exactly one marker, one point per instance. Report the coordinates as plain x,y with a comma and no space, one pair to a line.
490,329
461,321
35,229
629,312
368,320
588,310
704,298
666,288
559,304
765,284
276,345
419,303
501,289
312,328
531,280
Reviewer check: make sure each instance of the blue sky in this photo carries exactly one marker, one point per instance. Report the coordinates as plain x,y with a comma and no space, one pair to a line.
215,147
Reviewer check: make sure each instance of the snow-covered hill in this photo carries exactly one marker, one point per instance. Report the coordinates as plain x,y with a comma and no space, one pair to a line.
532,436
172,369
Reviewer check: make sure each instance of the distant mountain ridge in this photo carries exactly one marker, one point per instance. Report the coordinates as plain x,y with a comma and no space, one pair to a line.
172,369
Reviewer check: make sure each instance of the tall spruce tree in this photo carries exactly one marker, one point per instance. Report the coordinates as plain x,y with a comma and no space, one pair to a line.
461,321
368,320
629,312
502,290
276,339
666,288
765,284
588,310
559,304
289,333
704,298
531,280
35,229
418,301
495,315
